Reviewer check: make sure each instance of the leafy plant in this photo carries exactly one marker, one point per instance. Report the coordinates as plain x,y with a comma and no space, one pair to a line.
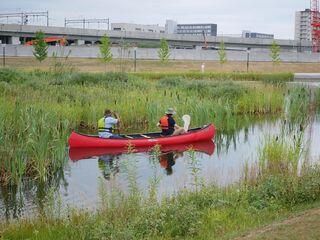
40,47
275,53
222,53
164,51
105,51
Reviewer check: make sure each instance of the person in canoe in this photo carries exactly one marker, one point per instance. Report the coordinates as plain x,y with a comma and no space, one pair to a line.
168,124
107,124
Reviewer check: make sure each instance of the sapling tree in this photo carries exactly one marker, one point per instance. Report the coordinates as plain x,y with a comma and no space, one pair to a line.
164,51
222,53
105,50
40,47
275,53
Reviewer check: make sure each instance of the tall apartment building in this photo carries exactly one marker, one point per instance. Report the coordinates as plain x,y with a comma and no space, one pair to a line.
172,27
303,25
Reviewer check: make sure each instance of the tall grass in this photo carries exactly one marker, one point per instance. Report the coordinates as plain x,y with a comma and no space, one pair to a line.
265,77
32,143
38,109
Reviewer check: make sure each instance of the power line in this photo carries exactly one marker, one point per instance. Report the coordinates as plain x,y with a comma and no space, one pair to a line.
85,22
24,16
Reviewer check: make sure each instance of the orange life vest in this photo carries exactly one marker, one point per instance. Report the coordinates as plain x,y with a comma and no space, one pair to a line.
163,161
164,123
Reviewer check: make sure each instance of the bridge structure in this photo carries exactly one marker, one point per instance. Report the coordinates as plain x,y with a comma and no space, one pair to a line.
19,34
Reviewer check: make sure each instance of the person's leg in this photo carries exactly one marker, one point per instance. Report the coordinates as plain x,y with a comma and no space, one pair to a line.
178,131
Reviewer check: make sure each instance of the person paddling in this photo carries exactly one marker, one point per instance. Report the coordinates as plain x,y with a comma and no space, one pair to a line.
107,123
168,124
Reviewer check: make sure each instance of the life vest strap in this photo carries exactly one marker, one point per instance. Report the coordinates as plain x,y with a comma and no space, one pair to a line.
105,130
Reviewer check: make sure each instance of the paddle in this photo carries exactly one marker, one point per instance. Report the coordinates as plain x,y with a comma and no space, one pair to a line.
186,119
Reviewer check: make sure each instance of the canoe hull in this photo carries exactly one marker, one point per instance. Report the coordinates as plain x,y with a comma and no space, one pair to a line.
84,141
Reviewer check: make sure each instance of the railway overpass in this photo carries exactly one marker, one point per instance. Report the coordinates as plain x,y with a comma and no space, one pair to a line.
15,34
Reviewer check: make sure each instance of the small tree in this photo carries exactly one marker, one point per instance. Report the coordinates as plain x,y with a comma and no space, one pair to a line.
40,47
124,53
222,53
105,51
164,51
275,53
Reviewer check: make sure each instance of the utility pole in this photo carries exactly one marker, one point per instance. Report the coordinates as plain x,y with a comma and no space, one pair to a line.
248,58
135,58
3,53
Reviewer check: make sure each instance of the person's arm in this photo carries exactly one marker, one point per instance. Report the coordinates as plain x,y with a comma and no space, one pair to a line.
117,117
173,122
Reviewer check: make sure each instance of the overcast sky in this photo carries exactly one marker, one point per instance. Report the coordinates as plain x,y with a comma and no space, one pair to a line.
232,16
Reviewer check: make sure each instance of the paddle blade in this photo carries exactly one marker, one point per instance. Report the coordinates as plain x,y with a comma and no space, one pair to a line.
186,119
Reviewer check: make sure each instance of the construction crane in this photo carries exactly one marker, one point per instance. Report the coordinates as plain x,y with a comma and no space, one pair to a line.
205,40
315,25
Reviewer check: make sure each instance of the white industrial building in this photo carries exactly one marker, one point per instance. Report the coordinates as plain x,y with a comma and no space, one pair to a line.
249,34
132,27
303,26
172,27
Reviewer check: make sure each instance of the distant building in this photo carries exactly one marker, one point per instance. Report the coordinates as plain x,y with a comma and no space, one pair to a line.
303,26
209,29
171,27
131,27
249,34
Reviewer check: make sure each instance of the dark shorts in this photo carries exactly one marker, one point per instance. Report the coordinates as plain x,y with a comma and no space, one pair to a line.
167,132
115,136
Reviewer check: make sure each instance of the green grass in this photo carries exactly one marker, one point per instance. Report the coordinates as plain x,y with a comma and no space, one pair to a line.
265,77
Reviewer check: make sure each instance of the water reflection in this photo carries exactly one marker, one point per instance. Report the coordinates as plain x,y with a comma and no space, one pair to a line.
109,165
29,197
168,160
108,159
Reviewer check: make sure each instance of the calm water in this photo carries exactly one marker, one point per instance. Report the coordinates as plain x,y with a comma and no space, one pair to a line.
222,163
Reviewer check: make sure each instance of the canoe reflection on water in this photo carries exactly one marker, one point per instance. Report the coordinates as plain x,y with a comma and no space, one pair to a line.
108,159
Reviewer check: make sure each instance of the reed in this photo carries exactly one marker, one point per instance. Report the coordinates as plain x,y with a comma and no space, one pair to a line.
39,109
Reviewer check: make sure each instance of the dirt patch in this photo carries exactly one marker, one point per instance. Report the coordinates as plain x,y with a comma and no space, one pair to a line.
95,65
303,226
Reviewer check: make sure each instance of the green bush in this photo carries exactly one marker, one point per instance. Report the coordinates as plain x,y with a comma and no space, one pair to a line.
11,76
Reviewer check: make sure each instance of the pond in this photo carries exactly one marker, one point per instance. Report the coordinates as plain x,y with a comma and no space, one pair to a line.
221,163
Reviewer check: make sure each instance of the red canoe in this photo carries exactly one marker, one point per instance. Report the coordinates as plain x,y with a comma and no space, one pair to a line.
205,133
76,154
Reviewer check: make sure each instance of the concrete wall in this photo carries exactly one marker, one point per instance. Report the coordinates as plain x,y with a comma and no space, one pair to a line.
176,54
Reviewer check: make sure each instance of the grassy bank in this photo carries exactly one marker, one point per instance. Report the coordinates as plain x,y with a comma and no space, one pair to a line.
269,192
